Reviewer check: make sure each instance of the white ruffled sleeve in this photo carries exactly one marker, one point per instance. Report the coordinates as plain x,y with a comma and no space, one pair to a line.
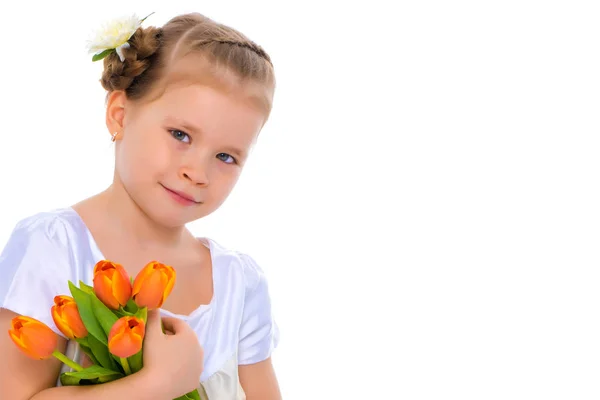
35,267
259,334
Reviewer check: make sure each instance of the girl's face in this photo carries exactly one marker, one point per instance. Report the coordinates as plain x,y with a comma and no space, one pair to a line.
180,156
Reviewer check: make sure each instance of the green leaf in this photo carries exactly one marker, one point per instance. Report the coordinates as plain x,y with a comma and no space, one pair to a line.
86,288
142,314
131,307
88,351
89,376
105,316
118,361
84,305
136,362
102,355
100,56
191,395
194,395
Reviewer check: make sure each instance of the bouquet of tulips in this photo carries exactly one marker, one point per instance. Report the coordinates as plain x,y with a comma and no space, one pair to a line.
107,320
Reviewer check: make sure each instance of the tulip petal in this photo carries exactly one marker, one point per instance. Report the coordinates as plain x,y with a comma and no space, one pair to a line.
118,327
151,292
141,277
121,286
153,284
121,345
71,316
126,337
61,324
42,335
36,338
33,337
66,317
111,284
103,290
102,265
97,267
18,341
164,281
170,283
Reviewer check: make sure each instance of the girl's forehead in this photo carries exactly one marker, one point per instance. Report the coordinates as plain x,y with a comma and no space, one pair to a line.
192,99
197,69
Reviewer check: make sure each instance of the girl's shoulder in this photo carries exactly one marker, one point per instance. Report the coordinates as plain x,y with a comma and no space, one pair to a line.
43,253
236,264
55,228
50,225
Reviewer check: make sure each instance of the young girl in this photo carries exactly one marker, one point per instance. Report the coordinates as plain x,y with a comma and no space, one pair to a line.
185,105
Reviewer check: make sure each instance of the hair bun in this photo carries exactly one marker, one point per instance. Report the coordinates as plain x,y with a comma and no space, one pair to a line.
143,45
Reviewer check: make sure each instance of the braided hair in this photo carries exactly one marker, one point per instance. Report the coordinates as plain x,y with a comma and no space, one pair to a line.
152,50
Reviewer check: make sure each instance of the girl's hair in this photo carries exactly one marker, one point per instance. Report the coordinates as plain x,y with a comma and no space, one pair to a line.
227,59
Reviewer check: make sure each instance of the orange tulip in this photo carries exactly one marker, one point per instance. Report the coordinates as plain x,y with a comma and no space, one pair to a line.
33,337
153,285
111,284
67,319
126,336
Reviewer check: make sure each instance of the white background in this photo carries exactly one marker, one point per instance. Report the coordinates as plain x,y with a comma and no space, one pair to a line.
424,199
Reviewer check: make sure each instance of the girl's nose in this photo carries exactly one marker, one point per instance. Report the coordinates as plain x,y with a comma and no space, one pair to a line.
196,176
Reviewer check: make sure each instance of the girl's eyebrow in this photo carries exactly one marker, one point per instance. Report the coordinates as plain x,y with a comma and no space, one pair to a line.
184,124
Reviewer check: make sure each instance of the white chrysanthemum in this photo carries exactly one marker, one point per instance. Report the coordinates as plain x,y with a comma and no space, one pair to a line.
114,35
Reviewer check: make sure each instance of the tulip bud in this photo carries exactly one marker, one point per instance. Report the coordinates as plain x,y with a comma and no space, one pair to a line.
65,314
126,336
32,337
153,285
111,284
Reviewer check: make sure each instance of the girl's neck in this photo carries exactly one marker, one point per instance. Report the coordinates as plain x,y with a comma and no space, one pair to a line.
130,222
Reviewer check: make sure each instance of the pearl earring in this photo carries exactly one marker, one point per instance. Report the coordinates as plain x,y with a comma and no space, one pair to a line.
114,136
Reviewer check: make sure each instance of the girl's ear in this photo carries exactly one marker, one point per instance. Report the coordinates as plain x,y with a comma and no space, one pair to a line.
115,111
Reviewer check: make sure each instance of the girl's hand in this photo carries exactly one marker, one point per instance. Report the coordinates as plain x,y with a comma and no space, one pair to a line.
176,359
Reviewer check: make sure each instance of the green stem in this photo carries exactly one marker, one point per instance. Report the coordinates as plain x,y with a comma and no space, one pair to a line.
67,360
125,365
143,19
121,312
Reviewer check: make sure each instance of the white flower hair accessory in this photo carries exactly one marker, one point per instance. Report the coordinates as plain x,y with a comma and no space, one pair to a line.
114,36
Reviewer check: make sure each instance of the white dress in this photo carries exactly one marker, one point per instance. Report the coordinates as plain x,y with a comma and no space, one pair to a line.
48,249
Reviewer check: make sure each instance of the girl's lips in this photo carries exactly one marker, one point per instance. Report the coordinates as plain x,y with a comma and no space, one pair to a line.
181,197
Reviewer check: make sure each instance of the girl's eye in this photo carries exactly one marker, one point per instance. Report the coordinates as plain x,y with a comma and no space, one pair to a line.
179,135
226,158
